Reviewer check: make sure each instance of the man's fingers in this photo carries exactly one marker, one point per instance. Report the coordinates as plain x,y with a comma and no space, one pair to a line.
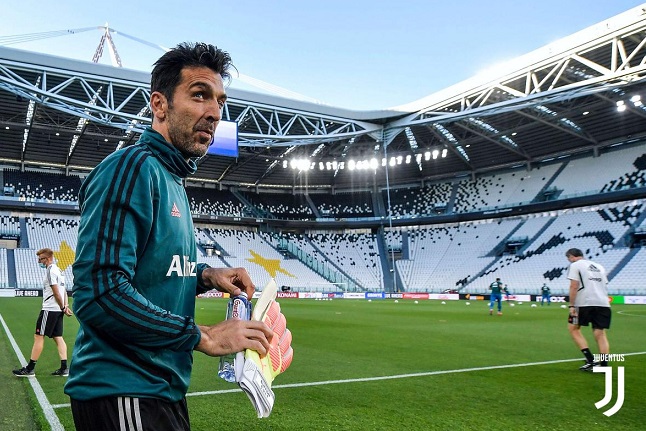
234,335
231,280
260,333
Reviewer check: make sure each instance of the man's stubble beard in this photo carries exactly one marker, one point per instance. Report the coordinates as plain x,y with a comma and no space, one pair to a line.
183,140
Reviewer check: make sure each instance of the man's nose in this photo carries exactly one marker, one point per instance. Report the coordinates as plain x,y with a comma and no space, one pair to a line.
214,112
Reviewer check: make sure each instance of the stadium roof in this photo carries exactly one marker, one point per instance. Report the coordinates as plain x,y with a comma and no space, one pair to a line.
583,93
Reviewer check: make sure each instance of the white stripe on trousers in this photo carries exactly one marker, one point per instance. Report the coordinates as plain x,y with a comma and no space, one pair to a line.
43,323
127,407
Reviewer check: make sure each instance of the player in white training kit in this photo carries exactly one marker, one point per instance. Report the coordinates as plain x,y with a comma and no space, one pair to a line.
50,319
589,303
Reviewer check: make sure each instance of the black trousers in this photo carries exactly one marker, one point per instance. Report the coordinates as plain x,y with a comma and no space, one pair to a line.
130,414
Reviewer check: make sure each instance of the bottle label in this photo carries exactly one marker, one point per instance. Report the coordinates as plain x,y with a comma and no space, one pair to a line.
239,308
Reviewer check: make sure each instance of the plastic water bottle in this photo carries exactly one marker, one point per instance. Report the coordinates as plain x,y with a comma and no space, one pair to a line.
239,307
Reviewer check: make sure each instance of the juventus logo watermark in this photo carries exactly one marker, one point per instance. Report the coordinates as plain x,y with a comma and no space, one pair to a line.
608,395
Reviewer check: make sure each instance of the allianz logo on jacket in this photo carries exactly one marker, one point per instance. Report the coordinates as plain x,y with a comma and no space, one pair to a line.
181,266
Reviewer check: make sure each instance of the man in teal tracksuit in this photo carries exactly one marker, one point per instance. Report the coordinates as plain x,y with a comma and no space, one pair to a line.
136,273
496,296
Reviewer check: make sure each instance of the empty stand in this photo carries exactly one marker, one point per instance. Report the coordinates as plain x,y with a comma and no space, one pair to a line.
208,201
355,253
613,170
281,205
416,201
344,205
9,224
502,190
34,185
441,257
4,272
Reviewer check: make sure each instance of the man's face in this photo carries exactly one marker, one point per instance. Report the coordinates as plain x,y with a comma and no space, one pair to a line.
195,111
44,260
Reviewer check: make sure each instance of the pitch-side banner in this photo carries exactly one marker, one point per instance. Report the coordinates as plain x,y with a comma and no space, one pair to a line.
415,295
445,296
354,295
310,295
634,299
517,298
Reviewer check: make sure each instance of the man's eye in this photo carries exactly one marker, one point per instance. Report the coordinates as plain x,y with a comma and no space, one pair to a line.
199,94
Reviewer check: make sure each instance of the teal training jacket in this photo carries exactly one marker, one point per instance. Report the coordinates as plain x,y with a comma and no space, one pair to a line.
135,276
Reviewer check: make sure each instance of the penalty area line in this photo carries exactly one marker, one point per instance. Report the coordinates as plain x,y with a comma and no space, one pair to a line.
393,377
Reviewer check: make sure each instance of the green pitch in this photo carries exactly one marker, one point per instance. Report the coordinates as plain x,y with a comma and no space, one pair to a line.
382,365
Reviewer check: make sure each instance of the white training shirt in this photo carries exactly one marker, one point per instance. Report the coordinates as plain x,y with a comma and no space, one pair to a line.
592,283
54,276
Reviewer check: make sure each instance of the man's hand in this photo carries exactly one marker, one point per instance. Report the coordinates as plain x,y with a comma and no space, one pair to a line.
573,317
68,311
229,280
234,335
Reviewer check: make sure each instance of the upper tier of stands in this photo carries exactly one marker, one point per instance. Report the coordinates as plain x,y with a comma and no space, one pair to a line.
281,205
415,201
502,190
207,201
619,169
615,170
344,204
35,185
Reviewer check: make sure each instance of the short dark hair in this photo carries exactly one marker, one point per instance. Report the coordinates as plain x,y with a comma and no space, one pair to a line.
168,68
574,252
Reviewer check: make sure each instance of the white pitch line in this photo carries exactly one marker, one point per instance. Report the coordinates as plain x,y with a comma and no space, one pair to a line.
48,409
397,376
623,312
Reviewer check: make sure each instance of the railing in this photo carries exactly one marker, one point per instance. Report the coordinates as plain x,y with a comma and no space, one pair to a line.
323,269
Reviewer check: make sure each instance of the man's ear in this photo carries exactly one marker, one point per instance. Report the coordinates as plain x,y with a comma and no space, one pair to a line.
158,105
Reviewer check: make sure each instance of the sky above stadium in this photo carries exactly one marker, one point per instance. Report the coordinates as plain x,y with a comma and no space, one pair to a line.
355,54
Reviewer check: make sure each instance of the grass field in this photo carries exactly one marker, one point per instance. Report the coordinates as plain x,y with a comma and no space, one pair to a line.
382,365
